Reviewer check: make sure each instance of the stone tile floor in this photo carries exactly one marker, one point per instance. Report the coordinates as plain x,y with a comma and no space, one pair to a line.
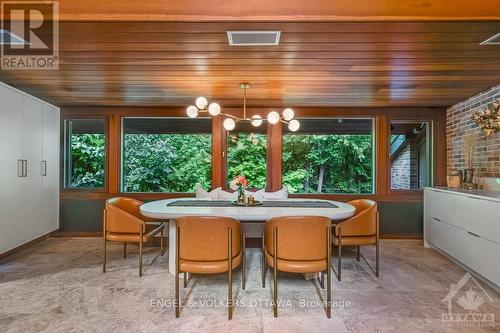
58,286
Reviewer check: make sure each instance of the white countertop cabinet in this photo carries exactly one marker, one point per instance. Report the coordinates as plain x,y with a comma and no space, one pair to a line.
465,225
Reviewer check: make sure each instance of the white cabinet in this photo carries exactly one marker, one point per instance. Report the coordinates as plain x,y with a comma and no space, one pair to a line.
479,216
50,166
32,181
440,205
29,135
466,228
11,164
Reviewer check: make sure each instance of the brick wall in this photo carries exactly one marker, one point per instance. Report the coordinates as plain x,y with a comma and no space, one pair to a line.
404,168
459,123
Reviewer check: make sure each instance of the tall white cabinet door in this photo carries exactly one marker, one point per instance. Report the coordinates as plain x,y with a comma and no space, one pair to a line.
50,167
32,182
10,154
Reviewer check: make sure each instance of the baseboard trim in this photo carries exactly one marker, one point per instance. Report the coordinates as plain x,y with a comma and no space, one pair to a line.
57,234
24,246
401,236
99,234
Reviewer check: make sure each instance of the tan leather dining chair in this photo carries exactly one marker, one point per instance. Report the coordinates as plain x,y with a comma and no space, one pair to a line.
209,245
297,244
361,229
123,222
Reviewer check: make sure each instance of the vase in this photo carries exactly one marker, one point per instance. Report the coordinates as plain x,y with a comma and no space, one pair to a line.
241,194
468,176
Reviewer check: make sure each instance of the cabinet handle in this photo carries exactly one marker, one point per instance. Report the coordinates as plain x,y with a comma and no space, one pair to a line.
20,168
44,168
473,234
25,168
437,219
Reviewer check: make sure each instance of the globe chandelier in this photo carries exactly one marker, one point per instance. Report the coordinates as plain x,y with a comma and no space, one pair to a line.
229,123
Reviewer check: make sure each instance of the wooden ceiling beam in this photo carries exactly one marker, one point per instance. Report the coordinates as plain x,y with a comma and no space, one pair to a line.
280,10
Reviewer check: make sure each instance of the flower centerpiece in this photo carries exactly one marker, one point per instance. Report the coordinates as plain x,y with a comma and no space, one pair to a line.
489,118
239,183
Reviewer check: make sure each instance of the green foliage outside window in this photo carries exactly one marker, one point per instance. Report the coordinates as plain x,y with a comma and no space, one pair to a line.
87,160
166,162
180,162
327,163
247,156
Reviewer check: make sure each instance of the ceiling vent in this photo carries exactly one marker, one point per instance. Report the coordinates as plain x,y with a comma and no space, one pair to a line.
9,38
250,38
493,40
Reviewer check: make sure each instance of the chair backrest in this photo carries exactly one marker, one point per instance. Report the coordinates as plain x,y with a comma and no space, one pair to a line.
298,237
123,215
205,238
364,222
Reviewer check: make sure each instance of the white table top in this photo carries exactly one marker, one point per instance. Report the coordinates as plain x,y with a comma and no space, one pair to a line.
160,210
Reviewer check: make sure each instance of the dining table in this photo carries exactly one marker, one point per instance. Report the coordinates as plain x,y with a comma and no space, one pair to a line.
171,209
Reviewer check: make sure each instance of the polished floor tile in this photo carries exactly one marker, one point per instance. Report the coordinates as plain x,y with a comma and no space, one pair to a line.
58,286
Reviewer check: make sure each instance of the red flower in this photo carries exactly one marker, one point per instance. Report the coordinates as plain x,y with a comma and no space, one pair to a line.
243,181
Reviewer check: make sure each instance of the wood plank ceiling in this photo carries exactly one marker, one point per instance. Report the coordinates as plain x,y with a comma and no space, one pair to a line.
343,63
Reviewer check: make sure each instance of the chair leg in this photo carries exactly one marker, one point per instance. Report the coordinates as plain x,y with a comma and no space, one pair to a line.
177,305
339,260
244,263
328,275
321,279
377,250
104,241
161,242
275,275
124,250
263,264
104,255
185,278
230,274
140,252
358,252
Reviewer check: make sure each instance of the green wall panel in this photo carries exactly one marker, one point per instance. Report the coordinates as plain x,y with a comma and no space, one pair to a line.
82,215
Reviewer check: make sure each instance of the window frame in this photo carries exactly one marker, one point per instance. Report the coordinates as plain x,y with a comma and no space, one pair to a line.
430,138
122,146
64,154
374,134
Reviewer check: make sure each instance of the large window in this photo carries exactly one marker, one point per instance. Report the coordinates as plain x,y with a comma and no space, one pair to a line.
85,151
410,155
247,154
329,156
166,154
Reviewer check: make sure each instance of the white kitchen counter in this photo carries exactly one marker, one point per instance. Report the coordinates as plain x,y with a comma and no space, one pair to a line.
480,194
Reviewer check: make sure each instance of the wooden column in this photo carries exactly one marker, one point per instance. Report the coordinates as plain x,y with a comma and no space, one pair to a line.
218,152
382,167
114,153
274,159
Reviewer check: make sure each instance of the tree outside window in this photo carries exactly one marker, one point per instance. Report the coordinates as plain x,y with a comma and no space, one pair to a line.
85,151
329,156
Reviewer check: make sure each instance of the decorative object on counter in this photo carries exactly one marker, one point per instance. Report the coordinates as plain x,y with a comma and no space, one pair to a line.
488,119
247,203
454,179
469,146
239,184
470,186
